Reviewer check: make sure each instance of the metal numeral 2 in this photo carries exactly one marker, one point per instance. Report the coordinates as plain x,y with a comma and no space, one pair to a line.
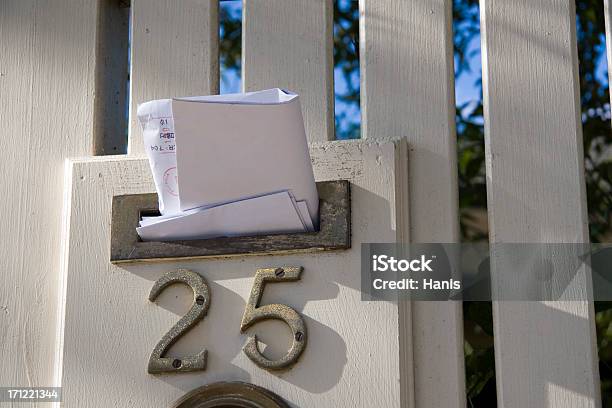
201,302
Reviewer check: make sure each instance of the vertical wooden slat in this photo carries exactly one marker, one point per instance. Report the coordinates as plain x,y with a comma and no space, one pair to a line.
545,351
110,116
46,93
289,44
608,22
174,53
407,90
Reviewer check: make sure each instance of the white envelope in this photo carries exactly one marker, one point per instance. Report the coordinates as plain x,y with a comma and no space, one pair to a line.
232,147
273,213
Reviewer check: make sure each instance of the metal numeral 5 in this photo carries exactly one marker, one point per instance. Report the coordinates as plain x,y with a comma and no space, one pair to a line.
201,302
254,313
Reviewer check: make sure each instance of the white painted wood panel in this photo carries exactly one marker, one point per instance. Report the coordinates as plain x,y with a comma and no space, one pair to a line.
289,44
47,88
407,90
545,351
352,356
174,53
46,98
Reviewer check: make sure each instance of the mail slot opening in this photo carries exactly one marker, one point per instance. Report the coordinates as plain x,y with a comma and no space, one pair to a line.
147,212
333,232
153,212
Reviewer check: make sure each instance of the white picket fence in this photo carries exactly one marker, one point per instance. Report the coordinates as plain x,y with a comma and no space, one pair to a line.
545,352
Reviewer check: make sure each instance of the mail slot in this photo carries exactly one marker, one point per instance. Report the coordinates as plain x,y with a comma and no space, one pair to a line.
334,232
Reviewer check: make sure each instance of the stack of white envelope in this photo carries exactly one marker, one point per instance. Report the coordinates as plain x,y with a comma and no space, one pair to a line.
228,165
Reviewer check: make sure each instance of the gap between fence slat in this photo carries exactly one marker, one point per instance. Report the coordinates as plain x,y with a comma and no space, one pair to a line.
545,354
110,99
174,53
407,90
608,22
289,44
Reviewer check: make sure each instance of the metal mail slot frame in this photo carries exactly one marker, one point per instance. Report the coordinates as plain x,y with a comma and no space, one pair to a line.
334,232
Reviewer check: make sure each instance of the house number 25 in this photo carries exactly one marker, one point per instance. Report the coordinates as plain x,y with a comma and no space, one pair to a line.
253,314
